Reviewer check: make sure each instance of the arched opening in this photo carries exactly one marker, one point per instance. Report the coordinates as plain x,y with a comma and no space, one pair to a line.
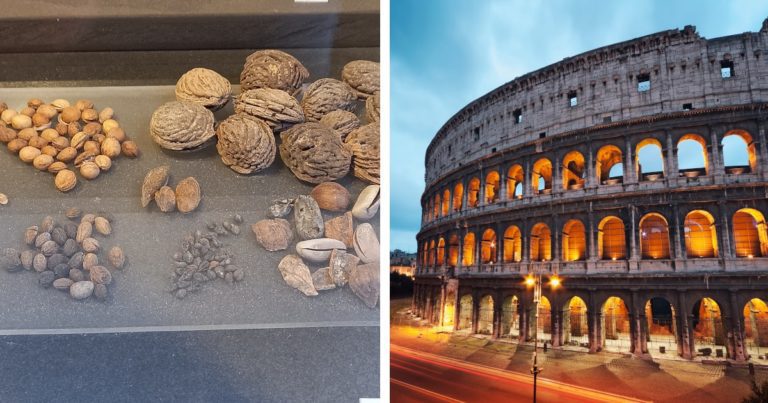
513,244
708,331
432,253
609,168
700,235
739,152
488,246
654,237
544,322
492,187
611,239
649,160
485,316
449,311
749,234
541,243
515,182
692,159
468,252
541,178
510,318
437,206
441,252
575,328
473,197
465,312
574,241
425,254
458,194
453,251
446,202
574,171
756,327
435,314
661,326
615,325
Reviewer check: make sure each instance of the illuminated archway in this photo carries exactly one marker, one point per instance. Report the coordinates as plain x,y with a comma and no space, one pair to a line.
488,246
449,311
473,197
575,328
492,187
485,316
458,194
441,251
661,326
700,235
515,182
453,250
708,328
468,252
756,327
611,239
513,244
541,177
654,237
432,253
544,323
510,318
609,158
692,158
749,233
437,206
574,241
425,254
574,170
615,325
649,160
739,153
446,202
465,312
541,243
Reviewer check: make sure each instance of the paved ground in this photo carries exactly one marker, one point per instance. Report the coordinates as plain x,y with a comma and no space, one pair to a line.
662,381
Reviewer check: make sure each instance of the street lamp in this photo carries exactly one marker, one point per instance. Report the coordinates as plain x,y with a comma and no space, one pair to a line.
534,280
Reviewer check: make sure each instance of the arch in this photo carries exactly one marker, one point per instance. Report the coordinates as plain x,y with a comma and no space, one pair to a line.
465,312
492,187
453,250
544,322
541,243
708,330
513,244
608,157
692,158
441,251
739,152
756,327
446,202
574,241
458,194
661,325
432,253
510,317
488,246
654,237
515,182
649,159
614,321
485,315
541,177
749,233
449,311
575,328
468,251
611,239
473,195
424,254
574,171
700,234
436,206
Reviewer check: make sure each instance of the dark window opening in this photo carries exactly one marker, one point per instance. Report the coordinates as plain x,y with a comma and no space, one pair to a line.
449,148
726,69
477,133
687,107
493,150
518,115
573,100
542,135
607,119
643,82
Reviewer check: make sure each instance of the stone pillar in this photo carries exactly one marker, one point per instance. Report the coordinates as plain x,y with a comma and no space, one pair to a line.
594,326
671,157
414,296
686,347
735,330
443,298
762,149
502,185
527,179
591,240
465,195
637,322
481,196
457,308
497,308
634,254
523,317
591,179
460,254
557,176
630,175
715,157
724,232
478,248
556,235
525,239
428,304
556,314
475,311
678,251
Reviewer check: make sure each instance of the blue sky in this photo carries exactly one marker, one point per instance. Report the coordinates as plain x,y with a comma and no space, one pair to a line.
444,54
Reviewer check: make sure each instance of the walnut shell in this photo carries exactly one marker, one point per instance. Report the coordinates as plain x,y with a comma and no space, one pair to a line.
344,122
181,125
246,144
273,69
314,153
276,107
326,95
187,195
363,76
364,144
373,108
205,87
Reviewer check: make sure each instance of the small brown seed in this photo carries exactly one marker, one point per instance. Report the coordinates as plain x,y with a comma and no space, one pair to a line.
89,115
65,180
73,212
116,257
331,196
89,170
187,195
70,114
102,226
90,260
153,181
16,145
106,114
29,153
104,162
83,104
84,230
57,167
42,162
21,122
166,199
130,149
110,147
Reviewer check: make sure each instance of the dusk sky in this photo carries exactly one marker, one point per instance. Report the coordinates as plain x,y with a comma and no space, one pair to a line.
444,54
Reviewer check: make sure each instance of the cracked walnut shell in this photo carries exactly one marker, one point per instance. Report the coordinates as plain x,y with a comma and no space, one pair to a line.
373,108
364,144
181,125
273,69
205,87
314,153
326,95
246,144
363,76
276,107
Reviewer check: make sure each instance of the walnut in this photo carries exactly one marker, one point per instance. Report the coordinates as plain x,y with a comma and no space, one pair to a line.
181,125
342,121
246,144
205,87
326,95
364,144
276,107
273,69
314,153
372,108
363,76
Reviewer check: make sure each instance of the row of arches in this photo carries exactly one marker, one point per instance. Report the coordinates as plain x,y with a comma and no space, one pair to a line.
650,164
749,234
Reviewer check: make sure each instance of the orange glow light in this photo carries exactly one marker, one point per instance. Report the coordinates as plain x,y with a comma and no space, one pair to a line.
530,281
554,281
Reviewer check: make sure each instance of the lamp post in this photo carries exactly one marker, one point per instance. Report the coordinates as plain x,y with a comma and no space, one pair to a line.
534,280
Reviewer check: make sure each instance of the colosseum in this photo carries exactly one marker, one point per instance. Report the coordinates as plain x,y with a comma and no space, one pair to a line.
637,174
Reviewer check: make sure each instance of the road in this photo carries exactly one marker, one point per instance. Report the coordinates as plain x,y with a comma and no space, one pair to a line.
422,377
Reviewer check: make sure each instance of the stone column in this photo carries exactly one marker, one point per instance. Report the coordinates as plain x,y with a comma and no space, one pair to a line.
460,254
594,326
591,240
557,175
527,175
591,179
724,232
502,185
678,251
630,175
464,195
671,157
481,196
633,225
497,307
475,311
525,240
686,347
556,314
428,304
762,149
637,326
557,253
715,157
478,248
735,330
522,312
457,308
443,297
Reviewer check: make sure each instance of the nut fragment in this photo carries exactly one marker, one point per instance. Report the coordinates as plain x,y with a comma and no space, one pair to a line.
367,203
166,199
341,266
341,228
296,274
65,180
322,281
153,181
7,134
314,153
205,87
187,195
363,76
308,218
331,196
273,235
273,69
326,95
116,257
100,275
364,144
318,250
364,282
181,126
366,243
276,107
246,144
373,108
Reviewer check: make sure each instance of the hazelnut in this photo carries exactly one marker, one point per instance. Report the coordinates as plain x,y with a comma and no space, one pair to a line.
90,115
70,114
83,104
47,111
130,149
28,153
103,162
42,162
89,170
67,154
57,167
49,150
111,147
106,114
65,180
60,104
117,134
7,115
49,134
108,125
16,145
27,134
21,121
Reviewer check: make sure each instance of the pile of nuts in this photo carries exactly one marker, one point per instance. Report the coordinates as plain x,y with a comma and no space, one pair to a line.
325,243
185,198
66,256
52,136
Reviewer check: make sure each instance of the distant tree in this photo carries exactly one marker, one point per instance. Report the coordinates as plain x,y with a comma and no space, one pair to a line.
400,285
759,393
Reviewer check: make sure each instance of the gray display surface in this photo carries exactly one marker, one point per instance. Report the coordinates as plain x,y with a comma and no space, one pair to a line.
139,299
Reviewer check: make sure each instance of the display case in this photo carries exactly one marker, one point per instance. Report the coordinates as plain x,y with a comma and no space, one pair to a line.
196,294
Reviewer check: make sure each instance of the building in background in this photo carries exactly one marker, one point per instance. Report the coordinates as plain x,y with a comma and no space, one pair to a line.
402,262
